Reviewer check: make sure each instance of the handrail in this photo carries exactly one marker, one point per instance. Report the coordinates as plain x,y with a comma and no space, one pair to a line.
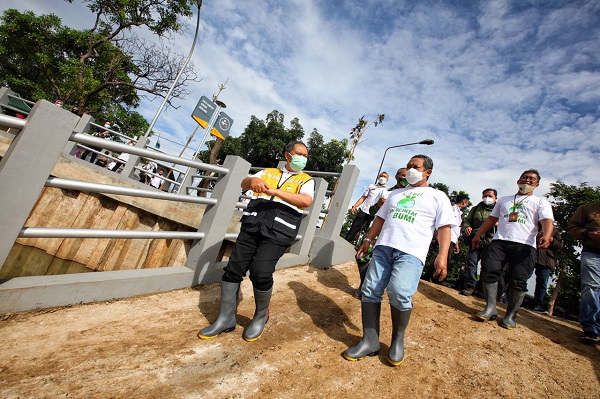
12,121
136,192
51,232
114,146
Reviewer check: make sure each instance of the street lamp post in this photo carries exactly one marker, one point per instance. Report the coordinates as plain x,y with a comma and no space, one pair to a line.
426,142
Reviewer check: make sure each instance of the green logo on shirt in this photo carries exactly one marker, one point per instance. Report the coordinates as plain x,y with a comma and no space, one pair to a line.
403,211
408,201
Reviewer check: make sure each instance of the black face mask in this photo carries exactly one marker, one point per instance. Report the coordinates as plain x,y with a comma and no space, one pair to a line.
401,182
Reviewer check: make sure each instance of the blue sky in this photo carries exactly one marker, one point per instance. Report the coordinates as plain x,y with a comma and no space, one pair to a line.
501,86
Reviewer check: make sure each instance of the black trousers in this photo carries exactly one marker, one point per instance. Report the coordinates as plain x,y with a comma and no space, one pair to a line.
258,255
518,258
360,220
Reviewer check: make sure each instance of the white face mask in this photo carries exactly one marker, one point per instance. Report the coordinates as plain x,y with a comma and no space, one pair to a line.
525,188
488,200
382,180
413,176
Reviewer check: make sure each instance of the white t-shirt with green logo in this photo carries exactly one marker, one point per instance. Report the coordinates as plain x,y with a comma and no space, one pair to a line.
411,216
531,209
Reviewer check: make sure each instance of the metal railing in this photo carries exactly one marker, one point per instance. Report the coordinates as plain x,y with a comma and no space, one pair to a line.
59,126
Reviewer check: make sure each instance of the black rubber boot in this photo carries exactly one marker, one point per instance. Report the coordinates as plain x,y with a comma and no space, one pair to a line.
515,299
261,315
400,320
362,271
226,321
369,344
490,291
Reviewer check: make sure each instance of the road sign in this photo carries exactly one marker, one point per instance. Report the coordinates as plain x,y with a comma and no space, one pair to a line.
222,126
204,111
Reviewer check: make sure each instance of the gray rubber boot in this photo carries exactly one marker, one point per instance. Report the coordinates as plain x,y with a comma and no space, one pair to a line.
515,299
226,321
261,315
369,344
400,320
490,292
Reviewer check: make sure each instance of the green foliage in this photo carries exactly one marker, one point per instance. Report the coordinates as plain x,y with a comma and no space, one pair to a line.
357,131
262,144
102,70
442,187
565,200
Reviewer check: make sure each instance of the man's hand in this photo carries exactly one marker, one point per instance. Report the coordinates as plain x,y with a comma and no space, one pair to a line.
353,209
441,267
475,241
363,248
258,185
468,230
544,242
594,235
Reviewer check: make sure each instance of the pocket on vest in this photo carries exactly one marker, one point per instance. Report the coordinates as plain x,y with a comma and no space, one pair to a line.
286,224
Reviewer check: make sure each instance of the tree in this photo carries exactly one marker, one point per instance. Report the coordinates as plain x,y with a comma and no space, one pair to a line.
102,70
565,199
357,131
262,144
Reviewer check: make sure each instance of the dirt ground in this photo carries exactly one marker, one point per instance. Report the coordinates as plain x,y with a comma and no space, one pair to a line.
146,347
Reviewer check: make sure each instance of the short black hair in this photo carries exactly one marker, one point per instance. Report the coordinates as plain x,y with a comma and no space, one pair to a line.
460,198
290,146
427,162
490,189
534,171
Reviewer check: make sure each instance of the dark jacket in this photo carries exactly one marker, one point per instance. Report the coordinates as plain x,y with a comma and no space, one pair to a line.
474,219
545,257
585,219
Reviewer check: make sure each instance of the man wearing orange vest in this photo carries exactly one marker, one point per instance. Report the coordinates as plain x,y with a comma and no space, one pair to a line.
269,226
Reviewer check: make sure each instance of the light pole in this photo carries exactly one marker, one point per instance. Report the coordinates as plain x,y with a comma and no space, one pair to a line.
185,63
426,142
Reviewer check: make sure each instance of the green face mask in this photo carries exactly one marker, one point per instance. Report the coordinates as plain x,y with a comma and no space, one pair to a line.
402,182
298,162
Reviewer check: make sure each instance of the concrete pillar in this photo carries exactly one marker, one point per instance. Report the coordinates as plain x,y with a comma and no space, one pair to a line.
328,248
83,126
27,165
309,222
203,254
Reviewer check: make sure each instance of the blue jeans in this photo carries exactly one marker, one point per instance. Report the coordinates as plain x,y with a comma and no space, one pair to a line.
395,270
542,275
589,313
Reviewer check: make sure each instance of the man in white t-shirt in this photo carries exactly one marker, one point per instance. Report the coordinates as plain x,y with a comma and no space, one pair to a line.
514,244
404,226
375,193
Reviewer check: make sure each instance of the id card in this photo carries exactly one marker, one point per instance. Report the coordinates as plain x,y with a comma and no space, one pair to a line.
513,216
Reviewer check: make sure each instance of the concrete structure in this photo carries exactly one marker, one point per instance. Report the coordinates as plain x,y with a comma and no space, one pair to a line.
24,173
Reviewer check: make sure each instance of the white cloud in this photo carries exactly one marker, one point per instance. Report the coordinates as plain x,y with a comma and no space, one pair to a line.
500,86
